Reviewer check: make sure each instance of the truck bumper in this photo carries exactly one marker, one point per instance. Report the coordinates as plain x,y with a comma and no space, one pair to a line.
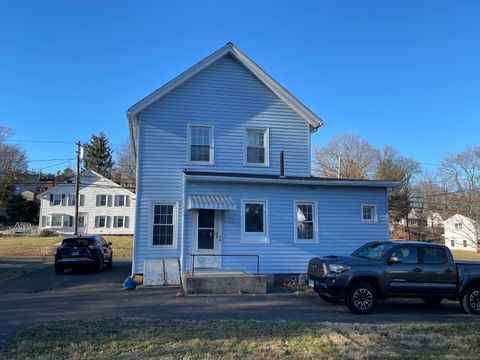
329,287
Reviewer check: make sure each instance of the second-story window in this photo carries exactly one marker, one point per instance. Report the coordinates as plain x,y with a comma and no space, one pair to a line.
200,144
256,147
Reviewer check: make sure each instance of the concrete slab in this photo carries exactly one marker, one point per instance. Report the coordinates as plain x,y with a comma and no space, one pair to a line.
212,282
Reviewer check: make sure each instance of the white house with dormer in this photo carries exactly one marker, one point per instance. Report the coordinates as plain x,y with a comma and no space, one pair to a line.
104,207
461,233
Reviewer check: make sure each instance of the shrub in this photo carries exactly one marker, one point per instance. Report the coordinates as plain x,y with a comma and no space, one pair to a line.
46,233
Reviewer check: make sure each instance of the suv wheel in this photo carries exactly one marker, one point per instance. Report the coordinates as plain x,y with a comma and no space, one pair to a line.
58,271
432,301
470,300
361,298
110,263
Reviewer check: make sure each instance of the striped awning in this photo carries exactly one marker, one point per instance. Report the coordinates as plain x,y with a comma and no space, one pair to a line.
213,202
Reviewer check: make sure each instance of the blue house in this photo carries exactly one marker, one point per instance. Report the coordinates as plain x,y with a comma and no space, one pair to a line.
224,168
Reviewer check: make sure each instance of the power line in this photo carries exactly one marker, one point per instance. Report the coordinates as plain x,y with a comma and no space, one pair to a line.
40,160
41,141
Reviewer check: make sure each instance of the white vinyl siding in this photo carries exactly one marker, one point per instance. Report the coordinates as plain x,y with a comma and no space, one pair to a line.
306,218
254,221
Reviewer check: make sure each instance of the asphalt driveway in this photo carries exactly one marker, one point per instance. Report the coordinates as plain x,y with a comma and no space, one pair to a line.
42,296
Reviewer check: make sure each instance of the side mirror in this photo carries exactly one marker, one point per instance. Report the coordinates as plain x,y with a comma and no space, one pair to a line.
109,243
394,260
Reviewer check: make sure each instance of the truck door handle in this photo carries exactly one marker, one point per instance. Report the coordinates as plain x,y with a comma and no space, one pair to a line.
448,270
417,269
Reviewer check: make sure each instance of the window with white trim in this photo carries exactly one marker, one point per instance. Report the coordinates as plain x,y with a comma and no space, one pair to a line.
164,224
100,221
305,221
256,147
369,214
59,221
102,200
254,221
200,144
458,226
55,199
120,221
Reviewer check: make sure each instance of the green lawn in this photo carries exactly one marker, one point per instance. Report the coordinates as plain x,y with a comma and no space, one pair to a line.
148,339
45,246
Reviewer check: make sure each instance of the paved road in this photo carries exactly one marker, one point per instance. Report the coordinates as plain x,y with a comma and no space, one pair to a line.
42,296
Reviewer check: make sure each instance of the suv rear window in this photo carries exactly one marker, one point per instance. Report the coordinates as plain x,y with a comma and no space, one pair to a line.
434,255
77,242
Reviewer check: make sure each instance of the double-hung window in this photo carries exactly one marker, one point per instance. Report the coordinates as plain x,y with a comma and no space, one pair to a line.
200,144
256,147
164,225
120,221
369,214
254,221
305,221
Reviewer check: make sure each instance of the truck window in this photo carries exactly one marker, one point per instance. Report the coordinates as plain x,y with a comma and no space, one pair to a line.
408,255
434,255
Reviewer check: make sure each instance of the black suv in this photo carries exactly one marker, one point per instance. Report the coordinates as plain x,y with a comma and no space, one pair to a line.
387,269
83,251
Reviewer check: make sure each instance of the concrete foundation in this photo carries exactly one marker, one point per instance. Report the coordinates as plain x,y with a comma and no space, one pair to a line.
223,283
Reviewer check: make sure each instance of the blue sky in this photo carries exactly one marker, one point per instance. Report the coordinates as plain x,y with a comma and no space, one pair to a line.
404,73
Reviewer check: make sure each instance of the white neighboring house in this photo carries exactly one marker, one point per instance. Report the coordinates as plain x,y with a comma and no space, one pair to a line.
461,233
104,208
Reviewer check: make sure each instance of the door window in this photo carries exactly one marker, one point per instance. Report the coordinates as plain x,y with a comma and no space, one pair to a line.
206,229
407,255
434,255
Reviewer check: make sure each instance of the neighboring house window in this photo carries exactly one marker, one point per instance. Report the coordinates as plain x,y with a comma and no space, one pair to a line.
104,200
82,200
452,243
201,144
122,200
369,213
164,224
120,221
256,147
58,221
254,221
305,221
464,243
102,221
55,199
458,226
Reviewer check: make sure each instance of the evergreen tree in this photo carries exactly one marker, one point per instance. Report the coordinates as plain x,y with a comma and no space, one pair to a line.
98,155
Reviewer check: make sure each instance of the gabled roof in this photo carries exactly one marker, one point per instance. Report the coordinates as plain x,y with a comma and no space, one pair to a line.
229,49
83,174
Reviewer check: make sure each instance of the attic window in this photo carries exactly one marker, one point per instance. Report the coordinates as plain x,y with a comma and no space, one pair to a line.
200,144
458,226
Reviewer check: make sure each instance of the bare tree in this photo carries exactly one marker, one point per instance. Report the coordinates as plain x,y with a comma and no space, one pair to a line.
460,176
126,164
392,166
13,162
346,155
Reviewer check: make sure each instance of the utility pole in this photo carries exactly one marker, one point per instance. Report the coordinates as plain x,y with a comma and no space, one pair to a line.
339,167
77,188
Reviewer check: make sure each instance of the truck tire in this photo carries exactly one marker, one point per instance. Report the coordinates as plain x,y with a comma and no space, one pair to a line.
470,301
432,301
361,298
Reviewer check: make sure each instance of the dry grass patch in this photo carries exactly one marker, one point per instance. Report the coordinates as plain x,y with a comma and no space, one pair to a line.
148,339
465,255
39,246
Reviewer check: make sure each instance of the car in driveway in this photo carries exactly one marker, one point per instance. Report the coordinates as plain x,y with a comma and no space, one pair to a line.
83,251
394,269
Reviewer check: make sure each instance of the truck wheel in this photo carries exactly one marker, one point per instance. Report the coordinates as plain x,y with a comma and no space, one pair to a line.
471,300
361,298
432,301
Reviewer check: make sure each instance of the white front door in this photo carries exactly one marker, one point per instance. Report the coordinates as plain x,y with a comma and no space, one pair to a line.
207,238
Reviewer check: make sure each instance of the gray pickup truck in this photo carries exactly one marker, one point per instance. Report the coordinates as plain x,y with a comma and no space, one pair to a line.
388,269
